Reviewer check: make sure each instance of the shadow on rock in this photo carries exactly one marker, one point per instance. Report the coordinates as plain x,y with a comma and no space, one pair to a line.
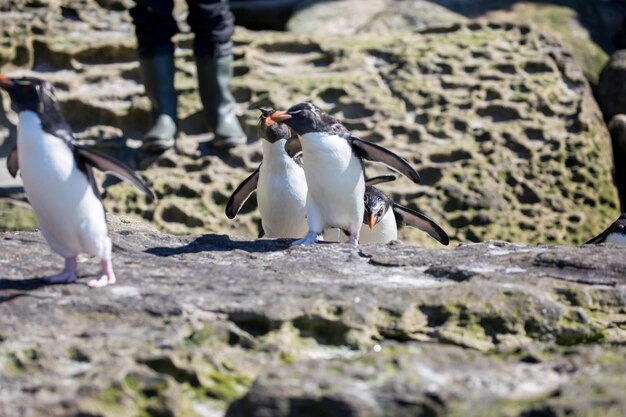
222,243
21,285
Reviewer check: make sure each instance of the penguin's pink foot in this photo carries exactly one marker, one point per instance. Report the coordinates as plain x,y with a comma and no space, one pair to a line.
103,281
67,275
353,240
309,239
107,277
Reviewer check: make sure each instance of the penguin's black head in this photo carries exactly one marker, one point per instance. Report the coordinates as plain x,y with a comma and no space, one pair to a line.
376,206
304,118
29,93
269,129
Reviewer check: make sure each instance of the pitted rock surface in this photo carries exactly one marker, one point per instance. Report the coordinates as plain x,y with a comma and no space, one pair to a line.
497,118
209,325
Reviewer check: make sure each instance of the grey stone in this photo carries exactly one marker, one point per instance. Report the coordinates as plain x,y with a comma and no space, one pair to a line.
332,329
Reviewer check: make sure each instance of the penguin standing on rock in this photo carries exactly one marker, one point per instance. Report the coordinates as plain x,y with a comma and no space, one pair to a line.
279,182
334,171
382,217
280,185
59,181
615,233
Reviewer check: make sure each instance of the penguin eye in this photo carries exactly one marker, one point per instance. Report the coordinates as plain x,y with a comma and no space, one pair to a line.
298,114
380,212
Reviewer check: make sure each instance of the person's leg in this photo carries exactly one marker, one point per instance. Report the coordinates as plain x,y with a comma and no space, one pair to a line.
213,25
154,27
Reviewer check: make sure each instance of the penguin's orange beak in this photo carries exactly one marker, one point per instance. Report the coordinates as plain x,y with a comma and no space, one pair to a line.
268,121
372,221
5,81
280,116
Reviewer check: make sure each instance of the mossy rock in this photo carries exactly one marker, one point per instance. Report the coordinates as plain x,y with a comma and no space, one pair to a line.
16,215
498,117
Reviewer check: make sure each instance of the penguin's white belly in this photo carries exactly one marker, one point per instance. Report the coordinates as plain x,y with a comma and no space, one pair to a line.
281,197
384,232
69,214
616,239
335,180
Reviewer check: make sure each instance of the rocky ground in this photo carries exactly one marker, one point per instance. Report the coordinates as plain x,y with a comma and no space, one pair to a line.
498,118
210,325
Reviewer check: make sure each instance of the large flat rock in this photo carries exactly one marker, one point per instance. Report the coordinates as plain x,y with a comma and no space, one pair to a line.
482,329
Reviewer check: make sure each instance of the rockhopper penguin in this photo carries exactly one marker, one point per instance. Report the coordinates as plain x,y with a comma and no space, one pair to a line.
58,179
615,233
334,172
280,185
279,182
382,217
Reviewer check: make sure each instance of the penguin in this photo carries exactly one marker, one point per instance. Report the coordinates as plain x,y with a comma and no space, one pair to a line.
59,181
382,217
335,235
615,233
334,171
279,182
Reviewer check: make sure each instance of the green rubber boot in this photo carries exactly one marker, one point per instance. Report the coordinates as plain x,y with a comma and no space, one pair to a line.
214,75
158,78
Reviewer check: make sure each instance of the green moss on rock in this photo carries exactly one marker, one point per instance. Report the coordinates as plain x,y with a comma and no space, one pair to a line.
16,215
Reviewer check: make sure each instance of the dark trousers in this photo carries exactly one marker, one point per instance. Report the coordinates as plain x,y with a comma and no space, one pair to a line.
211,21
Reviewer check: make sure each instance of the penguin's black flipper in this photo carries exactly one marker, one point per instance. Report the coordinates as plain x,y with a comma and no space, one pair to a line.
84,166
241,194
598,239
373,152
380,179
422,222
12,163
108,164
616,227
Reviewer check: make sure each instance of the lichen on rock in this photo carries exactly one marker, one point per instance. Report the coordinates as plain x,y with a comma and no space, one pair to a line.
213,325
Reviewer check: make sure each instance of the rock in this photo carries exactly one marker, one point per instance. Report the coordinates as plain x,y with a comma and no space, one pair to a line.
408,15
611,88
263,14
16,215
584,28
333,18
8,133
209,324
425,379
617,128
329,18
498,117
